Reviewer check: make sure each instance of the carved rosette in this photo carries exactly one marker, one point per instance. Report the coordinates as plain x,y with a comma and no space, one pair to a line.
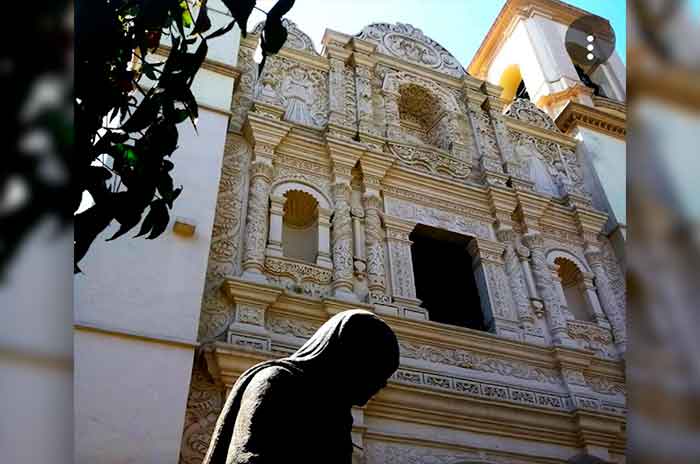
375,249
607,297
546,289
342,239
256,223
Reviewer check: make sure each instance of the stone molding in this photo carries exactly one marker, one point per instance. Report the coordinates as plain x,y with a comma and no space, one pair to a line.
575,114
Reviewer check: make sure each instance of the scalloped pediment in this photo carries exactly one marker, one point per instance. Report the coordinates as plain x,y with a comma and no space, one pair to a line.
296,38
408,43
526,111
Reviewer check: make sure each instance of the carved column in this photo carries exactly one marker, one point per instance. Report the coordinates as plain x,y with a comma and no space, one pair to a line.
274,240
342,242
494,292
589,291
256,220
546,289
516,280
608,301
392,116
374,241
323,258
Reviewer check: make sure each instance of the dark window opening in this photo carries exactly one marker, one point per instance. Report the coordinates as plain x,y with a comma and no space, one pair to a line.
588,82
522,91
444,277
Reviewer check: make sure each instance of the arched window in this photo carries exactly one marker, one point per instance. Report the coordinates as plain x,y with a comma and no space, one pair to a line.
300,226
574,289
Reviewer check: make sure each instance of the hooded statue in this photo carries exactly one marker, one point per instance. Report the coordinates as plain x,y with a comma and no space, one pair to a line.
297,409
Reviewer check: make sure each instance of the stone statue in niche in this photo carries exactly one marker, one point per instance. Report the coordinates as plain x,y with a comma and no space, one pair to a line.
298,408
537,170
296,94
561,178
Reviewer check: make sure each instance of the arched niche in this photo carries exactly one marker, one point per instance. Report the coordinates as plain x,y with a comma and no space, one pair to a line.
575,282
299,223
421,112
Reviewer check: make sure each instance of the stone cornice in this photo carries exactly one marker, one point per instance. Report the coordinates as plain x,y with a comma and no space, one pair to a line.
513,11
576,114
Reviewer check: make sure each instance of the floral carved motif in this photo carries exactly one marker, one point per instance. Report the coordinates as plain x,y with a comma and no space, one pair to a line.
432,160
524,110
203,406
225,251
469,360
409,43
297,270
293,327
437,218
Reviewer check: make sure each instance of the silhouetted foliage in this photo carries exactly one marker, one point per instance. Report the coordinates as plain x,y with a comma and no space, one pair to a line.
126,126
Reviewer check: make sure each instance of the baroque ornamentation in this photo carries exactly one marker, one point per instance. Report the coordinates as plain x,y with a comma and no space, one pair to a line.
225,250
301,90
469,360
374,238
203,406
342,237
256,223
298,270
409,43
292,327
432,160
437,218
296,38
524,110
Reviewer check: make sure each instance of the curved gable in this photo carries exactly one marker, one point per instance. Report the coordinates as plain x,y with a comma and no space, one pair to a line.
296,38
408,43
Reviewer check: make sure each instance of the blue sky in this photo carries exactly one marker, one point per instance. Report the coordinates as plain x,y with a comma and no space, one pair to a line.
458,25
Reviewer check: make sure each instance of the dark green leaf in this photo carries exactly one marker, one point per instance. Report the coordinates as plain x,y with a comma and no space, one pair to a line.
280,9
159,218
144,115
240,10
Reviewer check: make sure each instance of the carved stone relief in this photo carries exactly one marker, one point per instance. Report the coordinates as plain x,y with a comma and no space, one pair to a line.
302,91
437,218
243,97
225,252
432,161
409,43
524,110
203,406
296,38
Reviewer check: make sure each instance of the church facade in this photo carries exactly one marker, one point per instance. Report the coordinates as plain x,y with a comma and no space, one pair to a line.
381,174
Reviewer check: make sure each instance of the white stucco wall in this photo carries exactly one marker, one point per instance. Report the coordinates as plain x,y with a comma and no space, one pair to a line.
128,406
604,160
137,305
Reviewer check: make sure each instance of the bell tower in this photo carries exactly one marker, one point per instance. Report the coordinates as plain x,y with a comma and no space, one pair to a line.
525,52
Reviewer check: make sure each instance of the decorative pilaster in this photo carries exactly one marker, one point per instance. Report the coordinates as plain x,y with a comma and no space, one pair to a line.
323,258
494,291
546,289
588,289
608,301
516,279
374,242
342,242
364,66
403,284
256,220
336,84
391,111
274,240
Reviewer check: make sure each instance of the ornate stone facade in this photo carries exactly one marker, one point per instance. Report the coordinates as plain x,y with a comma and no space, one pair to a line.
387,132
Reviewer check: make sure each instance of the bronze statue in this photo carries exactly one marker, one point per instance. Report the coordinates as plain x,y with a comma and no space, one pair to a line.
297,409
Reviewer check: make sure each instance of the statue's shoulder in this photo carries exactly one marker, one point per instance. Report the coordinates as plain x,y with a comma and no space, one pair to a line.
271,380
